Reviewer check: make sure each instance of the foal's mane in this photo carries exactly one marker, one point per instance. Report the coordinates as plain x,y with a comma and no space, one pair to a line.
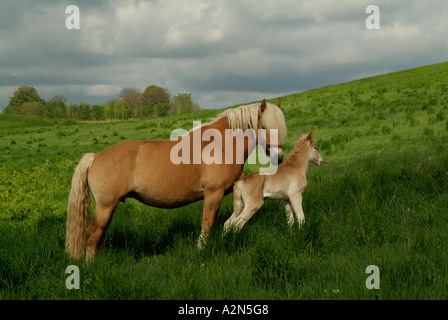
295,152
246,117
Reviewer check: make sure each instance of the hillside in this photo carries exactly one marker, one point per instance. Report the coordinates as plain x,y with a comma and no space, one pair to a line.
379,199
375,114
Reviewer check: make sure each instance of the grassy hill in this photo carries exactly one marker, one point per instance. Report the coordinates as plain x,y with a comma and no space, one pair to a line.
379,199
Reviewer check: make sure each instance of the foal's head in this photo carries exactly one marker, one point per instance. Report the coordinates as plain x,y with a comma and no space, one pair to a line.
313,155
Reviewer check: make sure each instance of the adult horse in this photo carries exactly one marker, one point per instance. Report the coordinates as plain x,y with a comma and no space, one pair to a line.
144,170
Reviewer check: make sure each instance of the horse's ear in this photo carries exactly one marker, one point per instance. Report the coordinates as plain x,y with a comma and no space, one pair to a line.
278,102
301,136
263,105
310,136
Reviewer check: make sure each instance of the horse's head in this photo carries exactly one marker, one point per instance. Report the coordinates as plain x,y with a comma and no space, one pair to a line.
271,130
313,155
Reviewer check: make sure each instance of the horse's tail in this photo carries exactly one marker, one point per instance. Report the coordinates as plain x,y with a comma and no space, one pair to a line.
78,209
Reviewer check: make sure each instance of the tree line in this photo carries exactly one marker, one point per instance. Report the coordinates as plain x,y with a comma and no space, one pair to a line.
153,102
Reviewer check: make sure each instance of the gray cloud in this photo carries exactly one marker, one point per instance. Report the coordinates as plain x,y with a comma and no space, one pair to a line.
224,52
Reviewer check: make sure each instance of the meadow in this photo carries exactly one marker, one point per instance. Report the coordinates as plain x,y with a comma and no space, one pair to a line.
380,198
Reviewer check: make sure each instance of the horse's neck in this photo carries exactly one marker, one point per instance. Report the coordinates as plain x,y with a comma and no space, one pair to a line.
222,125
299,159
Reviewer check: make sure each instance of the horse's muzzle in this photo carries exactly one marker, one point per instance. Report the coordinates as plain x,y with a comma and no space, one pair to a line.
276,157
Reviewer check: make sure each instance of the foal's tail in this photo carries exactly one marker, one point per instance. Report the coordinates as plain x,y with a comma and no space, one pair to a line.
78,209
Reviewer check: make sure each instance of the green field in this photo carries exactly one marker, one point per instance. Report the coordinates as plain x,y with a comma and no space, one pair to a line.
380,198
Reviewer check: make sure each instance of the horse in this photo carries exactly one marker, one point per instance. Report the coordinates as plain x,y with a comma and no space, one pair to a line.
287,184
144,170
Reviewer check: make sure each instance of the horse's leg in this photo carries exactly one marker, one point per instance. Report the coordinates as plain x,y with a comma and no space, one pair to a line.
97,229
212,201
296,201
289,213
250,208
100,245
238,206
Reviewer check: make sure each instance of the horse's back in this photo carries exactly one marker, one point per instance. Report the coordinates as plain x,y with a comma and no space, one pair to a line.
143,170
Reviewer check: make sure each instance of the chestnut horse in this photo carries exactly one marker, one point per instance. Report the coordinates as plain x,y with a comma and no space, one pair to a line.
144,170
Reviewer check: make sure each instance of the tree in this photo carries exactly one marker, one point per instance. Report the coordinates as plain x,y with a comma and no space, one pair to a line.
147,111
110,110
55,107
72,111
22,95
36,109
117,109
163,109
155,99
133,98
124,109
155,95
182,103
50,110
97,112
84,111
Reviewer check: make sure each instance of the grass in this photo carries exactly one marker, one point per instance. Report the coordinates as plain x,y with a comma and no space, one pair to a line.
379,199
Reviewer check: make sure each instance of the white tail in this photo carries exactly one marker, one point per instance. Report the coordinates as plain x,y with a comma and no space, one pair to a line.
78,209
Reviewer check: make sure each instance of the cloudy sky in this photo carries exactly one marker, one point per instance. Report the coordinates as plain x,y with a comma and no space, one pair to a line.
222,51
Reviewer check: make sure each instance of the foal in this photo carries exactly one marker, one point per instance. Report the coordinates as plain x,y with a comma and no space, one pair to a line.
286,184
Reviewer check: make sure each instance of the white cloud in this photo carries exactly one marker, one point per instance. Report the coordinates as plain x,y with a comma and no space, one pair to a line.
103,90
95,37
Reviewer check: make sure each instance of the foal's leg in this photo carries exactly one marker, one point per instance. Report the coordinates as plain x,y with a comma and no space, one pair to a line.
212,201
289,213
238,206
251,206
251,191
296,201
97,230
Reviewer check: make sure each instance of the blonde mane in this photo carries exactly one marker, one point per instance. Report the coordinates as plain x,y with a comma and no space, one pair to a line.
294,152
246,117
